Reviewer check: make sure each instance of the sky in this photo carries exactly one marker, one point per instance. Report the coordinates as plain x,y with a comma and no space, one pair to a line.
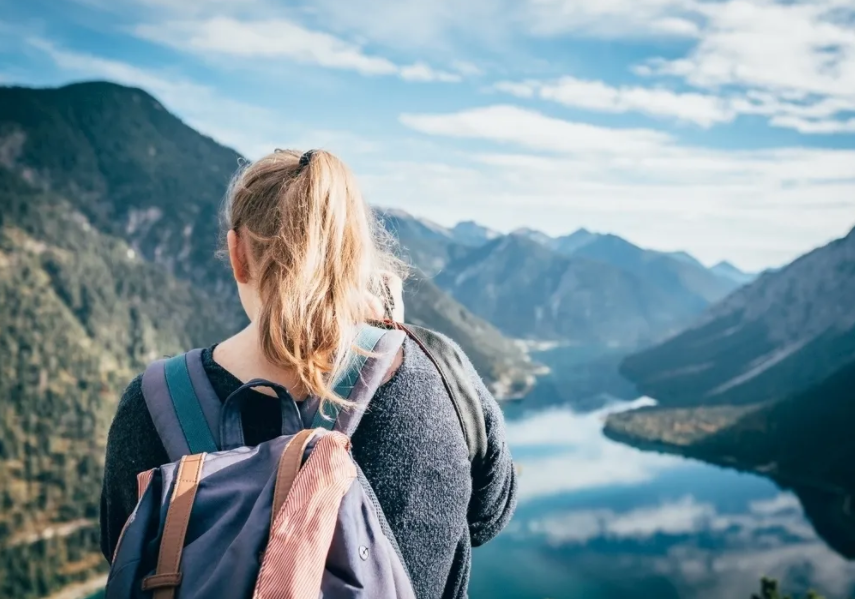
722,127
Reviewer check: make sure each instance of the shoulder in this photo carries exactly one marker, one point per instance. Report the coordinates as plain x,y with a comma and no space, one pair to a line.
131,413
132,397
442,348
436,341
133,439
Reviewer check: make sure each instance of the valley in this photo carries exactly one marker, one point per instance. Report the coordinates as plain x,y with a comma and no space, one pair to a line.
109,235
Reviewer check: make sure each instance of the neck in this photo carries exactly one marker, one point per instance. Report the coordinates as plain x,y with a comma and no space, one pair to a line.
242,356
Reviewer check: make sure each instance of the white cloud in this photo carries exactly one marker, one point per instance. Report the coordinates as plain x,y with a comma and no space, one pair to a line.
517,166
793,46
510,124
520,89
250,129
783,502
700,549
581,458
701,109
438,25
678,517
757,207
795,59
423,72
466,68
265,39
792,62
814,126
279,39
647,153
613,18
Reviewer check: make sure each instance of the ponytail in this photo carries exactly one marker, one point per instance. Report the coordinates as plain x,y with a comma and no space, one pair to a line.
318,254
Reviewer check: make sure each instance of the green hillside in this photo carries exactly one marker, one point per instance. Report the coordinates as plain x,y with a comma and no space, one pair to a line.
80,315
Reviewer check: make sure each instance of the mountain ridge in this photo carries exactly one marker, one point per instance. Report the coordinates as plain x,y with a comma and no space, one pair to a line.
659,294
781,334
532,292
139,173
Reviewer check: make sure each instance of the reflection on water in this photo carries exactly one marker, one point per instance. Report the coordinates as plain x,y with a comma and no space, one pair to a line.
599,520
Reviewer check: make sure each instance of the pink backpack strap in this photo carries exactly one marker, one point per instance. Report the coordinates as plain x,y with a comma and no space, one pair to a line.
302,531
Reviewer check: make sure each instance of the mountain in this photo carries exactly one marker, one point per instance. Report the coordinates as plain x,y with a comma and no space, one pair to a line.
568,244
421,242
108,233
494,356
533,235
131,167
135,171
678,273
684,257
684,288
81,314
529,291
726,270
472,234
781,334
695,286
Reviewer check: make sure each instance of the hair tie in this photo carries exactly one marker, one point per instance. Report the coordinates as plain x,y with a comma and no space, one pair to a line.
305,158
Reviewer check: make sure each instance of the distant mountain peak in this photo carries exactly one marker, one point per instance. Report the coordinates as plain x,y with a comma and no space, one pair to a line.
684,256
726,264
403,215
469,232
568,244
727,270
533,234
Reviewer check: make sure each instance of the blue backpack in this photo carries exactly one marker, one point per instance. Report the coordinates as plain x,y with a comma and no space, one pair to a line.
291,518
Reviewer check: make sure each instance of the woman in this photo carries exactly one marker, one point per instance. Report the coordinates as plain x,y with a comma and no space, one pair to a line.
309,266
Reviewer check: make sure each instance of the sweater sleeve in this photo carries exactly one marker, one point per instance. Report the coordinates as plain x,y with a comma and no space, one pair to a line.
494,481
133,446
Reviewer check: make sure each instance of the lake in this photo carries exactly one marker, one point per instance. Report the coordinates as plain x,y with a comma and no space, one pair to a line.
601,520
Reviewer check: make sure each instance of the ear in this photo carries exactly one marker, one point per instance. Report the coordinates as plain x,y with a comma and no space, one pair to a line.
238,257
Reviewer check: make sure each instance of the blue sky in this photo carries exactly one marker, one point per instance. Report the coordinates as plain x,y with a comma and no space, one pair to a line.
725,128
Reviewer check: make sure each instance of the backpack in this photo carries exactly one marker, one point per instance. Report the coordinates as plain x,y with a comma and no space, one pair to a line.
291,518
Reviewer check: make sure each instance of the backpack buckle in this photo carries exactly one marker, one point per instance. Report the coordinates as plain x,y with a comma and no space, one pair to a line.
161,581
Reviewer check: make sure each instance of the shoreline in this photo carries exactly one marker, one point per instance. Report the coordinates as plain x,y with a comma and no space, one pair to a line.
785,480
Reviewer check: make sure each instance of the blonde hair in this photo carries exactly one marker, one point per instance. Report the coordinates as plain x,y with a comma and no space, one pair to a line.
318,255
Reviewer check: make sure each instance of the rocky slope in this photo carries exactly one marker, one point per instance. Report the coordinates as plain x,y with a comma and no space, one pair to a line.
764,382
785,332
136,172
80,314
530,291
534,286
694,285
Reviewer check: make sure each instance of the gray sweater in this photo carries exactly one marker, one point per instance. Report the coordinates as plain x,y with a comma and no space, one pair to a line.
410,446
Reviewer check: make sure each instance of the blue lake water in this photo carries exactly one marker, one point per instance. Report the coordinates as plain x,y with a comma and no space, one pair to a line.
601,520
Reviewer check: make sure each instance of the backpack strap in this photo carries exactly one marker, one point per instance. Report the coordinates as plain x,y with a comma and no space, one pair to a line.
183,405
361,376
452,369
